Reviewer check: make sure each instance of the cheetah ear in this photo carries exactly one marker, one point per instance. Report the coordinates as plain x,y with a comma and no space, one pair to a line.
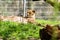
33,11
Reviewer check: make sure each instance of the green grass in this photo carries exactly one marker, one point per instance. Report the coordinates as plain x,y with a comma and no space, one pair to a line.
51,22
18,31
13,30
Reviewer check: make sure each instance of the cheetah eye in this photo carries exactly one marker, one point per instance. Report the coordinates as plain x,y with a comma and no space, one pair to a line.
29,12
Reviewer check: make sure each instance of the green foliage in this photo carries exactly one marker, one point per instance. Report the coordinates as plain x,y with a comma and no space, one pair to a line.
56,6
51,2
17,31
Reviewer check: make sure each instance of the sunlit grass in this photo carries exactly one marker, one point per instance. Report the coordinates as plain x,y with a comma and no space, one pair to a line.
51,22
18,31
